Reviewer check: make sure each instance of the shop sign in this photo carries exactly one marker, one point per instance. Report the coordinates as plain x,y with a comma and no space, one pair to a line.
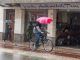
58,5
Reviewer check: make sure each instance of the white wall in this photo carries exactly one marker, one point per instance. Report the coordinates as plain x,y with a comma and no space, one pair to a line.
17,25
52,26
19,21
1,18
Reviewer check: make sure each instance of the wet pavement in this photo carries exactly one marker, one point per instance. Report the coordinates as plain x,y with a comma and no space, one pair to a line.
9,54
22,52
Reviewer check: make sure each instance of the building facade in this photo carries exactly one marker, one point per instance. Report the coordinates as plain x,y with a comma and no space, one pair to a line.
18,12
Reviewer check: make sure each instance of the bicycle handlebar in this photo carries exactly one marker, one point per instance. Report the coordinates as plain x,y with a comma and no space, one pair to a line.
46,32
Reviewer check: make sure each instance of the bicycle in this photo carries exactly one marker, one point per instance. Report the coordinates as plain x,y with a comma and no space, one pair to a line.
46,43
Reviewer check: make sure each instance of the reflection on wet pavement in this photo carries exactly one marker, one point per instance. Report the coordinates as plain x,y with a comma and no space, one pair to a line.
9,56
5,56
12,54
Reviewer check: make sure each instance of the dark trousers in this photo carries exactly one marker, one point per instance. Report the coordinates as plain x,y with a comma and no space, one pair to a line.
37,40
7,36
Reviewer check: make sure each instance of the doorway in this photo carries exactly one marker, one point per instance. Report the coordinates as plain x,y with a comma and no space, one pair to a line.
68,34
9,25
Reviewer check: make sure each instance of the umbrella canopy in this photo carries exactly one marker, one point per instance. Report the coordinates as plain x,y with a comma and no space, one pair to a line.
44,20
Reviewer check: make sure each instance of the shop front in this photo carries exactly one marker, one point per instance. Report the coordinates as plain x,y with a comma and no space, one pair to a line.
68,28
24,16
63,14
65,23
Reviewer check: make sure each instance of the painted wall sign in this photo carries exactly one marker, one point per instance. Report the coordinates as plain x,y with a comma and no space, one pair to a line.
59,5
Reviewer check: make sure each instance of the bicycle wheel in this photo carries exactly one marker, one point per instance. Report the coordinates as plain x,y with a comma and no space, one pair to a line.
32,44
48,45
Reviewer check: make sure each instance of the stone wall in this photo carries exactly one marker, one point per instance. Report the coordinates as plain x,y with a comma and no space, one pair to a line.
1,34
18,38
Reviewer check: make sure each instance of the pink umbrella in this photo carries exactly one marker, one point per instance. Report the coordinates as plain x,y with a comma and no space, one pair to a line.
44,20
